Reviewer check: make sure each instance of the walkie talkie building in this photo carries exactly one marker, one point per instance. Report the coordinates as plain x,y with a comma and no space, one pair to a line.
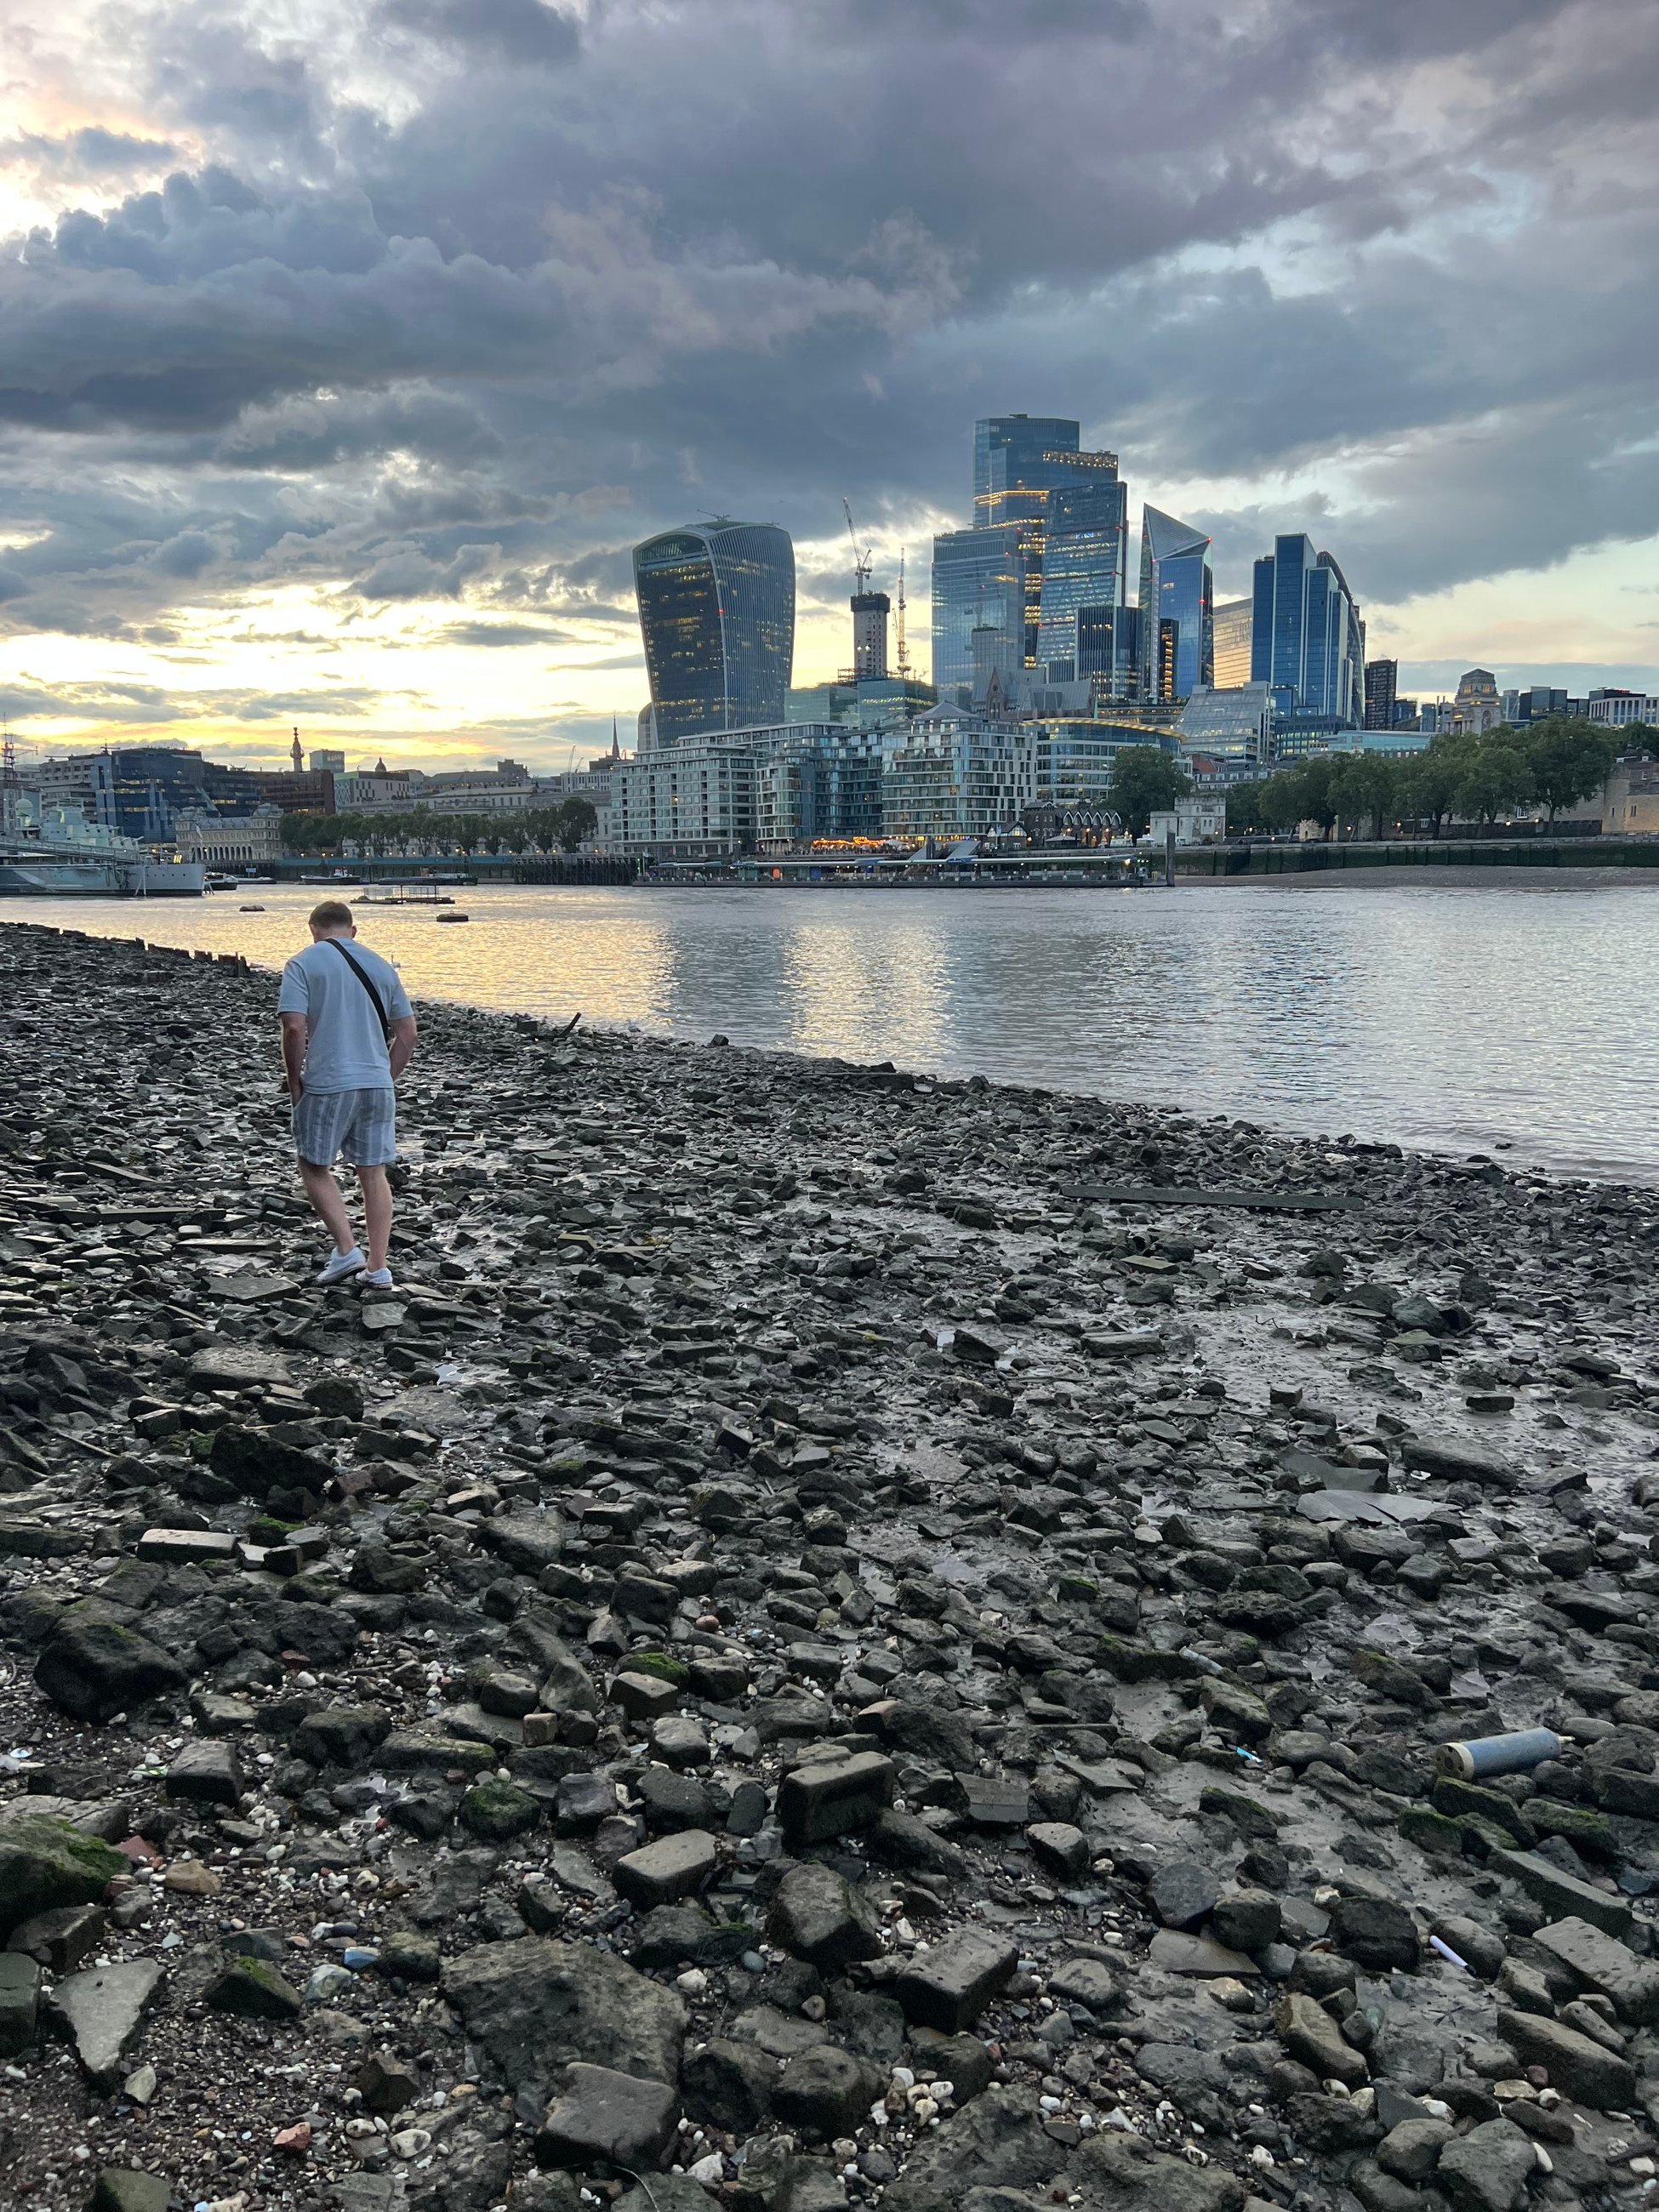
717,612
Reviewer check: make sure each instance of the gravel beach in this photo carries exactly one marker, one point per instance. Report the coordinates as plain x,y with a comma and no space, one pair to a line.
841,1639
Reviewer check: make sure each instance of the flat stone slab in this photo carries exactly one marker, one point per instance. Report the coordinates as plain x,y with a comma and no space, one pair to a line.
238,1367
436,1413
20,1995
1573,2064
99,2010
604,2114
186,1547
1602,1964
675,1867
1179,1953
1563,1894
251,1286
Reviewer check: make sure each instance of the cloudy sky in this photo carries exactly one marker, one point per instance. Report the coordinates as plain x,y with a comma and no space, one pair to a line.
346,348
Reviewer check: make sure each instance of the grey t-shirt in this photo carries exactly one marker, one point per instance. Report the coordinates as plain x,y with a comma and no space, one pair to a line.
347,1051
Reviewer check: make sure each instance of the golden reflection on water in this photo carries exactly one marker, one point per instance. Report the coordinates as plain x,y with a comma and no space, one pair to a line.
849,983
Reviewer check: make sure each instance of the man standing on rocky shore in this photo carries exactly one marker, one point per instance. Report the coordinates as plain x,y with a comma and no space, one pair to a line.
347,1034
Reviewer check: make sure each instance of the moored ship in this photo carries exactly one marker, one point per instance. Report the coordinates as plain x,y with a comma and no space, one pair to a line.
51,852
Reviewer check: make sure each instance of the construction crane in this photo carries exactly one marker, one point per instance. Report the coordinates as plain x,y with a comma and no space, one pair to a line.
901,651
860,561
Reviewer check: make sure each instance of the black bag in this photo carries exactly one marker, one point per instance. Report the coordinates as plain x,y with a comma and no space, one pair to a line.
367,982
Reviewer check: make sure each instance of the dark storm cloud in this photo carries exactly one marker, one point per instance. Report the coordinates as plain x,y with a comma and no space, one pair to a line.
571,282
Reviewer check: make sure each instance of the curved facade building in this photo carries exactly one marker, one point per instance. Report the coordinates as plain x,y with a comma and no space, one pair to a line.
1177,610
717,613
1306,637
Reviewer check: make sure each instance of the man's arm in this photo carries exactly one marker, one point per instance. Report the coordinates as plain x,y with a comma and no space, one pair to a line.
296,1030
401,1043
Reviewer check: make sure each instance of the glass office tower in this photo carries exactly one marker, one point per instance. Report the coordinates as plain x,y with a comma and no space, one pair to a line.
717,613
1177,608
1231,630
1017,461
979,583
1304,633
1085,528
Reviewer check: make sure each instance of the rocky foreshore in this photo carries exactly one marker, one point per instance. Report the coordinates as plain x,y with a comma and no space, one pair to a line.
841,1639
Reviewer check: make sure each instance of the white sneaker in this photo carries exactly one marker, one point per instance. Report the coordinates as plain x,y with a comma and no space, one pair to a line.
377,1279
342,1264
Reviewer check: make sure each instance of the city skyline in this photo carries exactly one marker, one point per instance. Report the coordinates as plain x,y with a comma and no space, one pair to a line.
341,378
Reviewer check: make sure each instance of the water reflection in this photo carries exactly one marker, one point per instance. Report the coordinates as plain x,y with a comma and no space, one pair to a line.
1443,1016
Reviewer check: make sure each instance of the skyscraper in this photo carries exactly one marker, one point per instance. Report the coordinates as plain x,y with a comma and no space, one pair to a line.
1085,526
717,613
870,612
1381,687
1304,634
990,577
1109,651
1018,459
1232,644
1177,607
979,583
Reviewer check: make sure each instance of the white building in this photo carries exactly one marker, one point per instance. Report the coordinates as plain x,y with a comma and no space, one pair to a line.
692,801
1618,710
953,777
1196,820
379,790
229,840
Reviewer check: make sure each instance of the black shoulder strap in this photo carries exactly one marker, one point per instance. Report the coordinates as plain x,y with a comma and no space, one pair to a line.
365,979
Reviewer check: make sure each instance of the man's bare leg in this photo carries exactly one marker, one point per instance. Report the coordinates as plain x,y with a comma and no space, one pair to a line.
377,1213
328,1203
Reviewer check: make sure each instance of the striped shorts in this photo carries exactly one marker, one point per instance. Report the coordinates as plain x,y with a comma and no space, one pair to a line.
360,1125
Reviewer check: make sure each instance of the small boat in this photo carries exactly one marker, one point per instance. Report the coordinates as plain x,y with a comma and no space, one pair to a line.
454,917
250,909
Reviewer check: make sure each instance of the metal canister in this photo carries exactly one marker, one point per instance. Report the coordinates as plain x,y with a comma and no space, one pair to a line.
1499,1754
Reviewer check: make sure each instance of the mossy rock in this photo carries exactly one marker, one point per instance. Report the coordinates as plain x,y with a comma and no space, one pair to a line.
409,1956
1436,1833
659,1664
495,1811
126,2189
1460,1799
1142,1662
1588,1832
253,1990
94,1667
45,1863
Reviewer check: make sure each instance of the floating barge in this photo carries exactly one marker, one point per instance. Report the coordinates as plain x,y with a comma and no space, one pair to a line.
419,890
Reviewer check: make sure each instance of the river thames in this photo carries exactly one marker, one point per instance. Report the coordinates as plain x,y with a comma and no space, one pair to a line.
1516,1018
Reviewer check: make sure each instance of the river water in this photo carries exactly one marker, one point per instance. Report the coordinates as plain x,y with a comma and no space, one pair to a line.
1512,1017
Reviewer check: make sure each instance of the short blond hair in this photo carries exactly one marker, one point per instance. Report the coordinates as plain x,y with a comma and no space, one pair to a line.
332,913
